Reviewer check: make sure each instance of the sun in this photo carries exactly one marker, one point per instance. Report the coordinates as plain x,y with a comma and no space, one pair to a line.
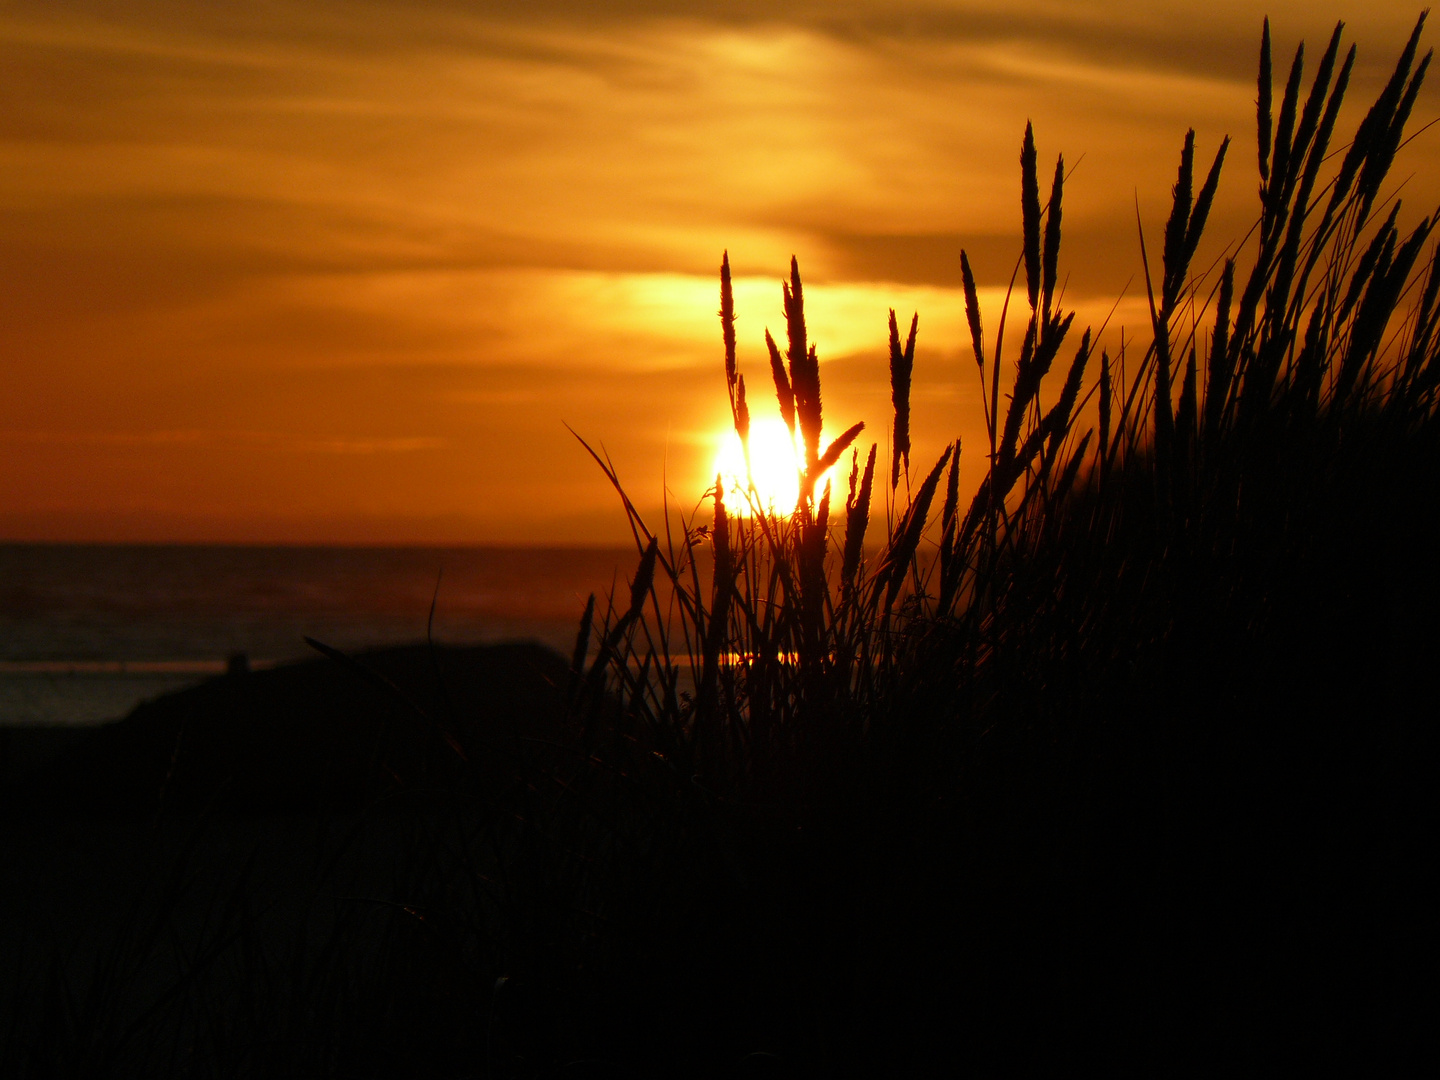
775,462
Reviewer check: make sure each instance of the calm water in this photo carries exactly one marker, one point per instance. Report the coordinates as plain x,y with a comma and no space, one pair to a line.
88,631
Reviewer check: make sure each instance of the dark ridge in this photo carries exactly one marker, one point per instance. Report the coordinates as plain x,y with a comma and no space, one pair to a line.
320,735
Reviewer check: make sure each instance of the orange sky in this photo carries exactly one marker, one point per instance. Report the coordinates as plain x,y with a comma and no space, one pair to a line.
338,272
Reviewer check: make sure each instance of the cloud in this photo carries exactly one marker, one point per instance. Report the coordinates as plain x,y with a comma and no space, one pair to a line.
272,440
415,237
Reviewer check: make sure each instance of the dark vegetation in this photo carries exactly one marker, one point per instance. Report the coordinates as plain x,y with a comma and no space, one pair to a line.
307,738
1123,761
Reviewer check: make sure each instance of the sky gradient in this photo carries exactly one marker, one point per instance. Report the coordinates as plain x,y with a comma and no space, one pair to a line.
342,272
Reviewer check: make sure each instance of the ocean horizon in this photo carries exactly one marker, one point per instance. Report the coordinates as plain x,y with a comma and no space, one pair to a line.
89,631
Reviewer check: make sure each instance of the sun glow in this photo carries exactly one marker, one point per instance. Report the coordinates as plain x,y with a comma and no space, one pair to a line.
775,461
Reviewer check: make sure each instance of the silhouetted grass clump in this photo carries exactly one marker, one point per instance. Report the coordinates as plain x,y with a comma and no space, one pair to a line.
1110,758
1117,757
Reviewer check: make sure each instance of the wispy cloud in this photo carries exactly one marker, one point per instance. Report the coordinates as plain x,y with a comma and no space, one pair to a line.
270,440
392,228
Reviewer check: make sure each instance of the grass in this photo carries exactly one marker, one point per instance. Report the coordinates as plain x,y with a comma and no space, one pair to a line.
1064,755
1113,761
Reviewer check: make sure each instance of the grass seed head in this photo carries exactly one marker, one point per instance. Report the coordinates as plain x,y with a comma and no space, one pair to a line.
1030,215
902,363
1177,227
857,518
784,393
1051,256
1280,167
1262,105
727,321
952,488
972,310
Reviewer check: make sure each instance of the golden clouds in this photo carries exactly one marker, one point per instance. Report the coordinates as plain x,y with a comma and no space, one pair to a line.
372,225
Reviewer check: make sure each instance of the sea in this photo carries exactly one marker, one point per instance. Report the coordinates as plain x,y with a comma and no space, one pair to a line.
87,632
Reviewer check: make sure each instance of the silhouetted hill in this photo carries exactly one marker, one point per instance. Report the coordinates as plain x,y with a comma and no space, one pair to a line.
318,735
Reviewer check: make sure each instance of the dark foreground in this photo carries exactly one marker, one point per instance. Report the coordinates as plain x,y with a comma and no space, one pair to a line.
373,869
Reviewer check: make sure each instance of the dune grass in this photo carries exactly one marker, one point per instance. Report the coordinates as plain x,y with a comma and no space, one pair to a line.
1315,332
1149,674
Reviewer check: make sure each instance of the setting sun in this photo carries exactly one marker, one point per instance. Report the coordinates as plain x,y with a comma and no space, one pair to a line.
774,466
